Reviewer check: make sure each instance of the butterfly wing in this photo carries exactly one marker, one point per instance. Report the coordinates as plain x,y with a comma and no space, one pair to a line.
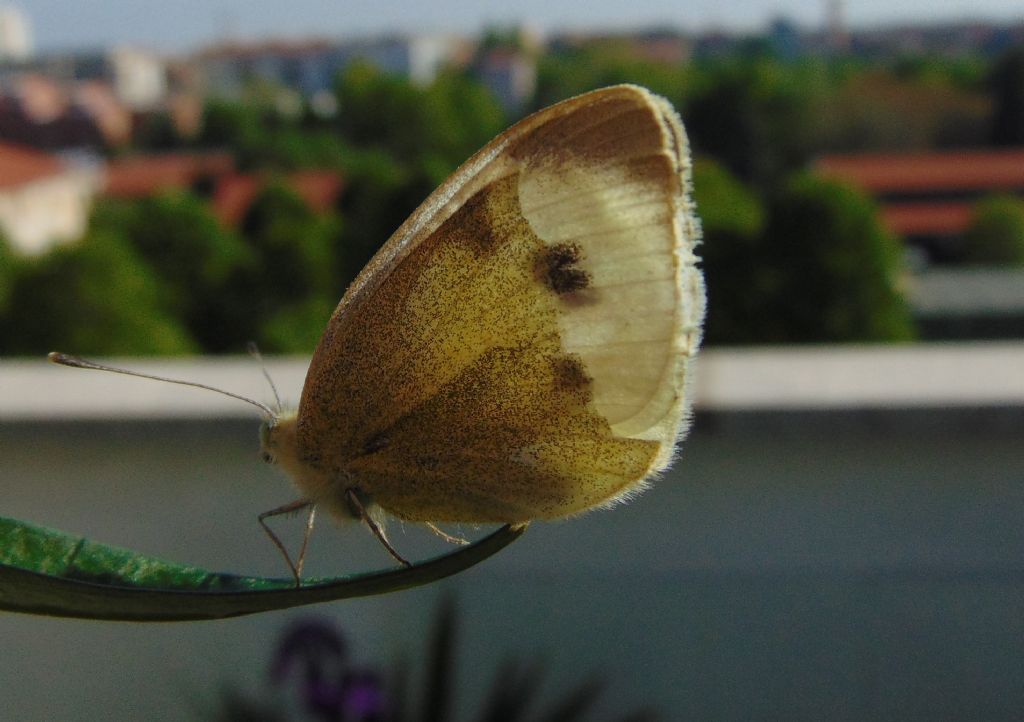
519,348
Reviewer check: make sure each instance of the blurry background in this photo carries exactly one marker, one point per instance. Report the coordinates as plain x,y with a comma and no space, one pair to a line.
841,538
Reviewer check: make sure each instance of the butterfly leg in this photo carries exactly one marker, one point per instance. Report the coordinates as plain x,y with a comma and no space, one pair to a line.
444,535
352,497
291,508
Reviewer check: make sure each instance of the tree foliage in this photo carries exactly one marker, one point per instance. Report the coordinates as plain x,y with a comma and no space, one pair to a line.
97,297
996,233
759,118
830,270
573,71
292,285
198,261
435,127
732,219
786,260
8,263
816,266
876,110
1007,87
409,139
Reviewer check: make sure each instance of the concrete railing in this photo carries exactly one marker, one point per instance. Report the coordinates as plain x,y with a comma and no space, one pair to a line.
784,378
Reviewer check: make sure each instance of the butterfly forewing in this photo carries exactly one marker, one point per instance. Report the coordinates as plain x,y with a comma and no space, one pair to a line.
518,349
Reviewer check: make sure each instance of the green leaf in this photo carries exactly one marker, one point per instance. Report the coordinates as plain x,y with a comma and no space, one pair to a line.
43,571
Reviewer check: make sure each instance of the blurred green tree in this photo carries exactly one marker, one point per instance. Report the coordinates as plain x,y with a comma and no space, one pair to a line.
199,261
293,286
829,271
878,109
996,233
97,297
1007,88
8,269
759,117
732,219
435,128
404,141
461,116
380,193
239,126
260,138
155,131
569,72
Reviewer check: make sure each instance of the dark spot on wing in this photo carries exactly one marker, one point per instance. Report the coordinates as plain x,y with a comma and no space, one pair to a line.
375,443
557,267
569,374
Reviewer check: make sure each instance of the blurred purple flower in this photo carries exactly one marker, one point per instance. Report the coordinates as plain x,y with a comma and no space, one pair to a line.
363,699
330,691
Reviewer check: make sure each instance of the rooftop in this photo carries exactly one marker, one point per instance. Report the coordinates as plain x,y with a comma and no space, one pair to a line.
961,170
926,218
929,194
235,193
144,175
232,192
20,165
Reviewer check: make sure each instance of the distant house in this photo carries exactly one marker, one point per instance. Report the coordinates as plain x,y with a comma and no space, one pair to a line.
928,198
44,200
311,66
511,75
39,111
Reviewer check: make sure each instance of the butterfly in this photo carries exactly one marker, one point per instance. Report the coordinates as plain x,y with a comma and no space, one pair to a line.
521,348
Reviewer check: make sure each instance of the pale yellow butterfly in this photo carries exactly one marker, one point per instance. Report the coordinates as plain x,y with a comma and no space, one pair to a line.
521,347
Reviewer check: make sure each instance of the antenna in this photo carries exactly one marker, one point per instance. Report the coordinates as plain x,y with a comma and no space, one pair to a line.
63,359
254,351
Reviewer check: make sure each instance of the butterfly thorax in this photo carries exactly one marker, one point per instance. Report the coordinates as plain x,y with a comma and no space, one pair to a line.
279,444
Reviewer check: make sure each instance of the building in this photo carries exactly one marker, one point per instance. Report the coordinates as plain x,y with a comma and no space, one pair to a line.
510,74
928,198
15,35
41,111
44,200
311,66
139,78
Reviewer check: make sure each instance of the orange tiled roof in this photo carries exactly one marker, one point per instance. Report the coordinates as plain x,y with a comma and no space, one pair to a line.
925,219
20,165
233,196
319,188
138,176
964,170
235,193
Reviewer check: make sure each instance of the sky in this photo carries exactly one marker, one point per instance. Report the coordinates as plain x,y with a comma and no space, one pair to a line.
182,25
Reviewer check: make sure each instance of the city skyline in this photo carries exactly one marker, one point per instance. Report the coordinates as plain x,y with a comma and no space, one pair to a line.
191,24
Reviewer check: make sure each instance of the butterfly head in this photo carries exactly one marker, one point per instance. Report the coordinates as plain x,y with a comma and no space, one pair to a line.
279,445
277,439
